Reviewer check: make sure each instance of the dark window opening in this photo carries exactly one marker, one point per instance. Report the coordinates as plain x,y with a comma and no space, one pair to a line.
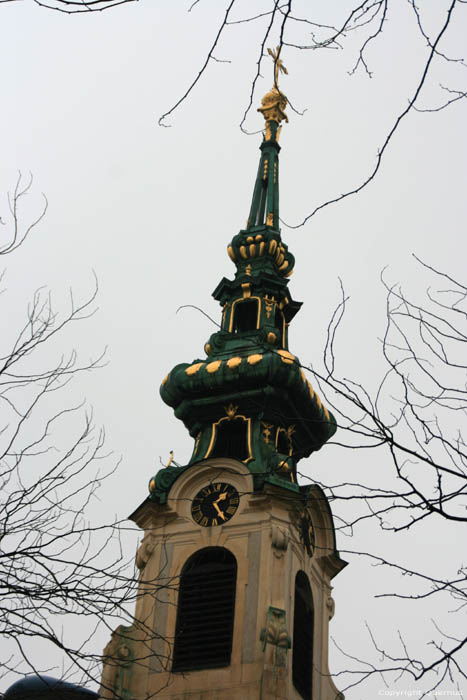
303,624
279,323
262,204
232,440
205,615
282,442
279,319
245,316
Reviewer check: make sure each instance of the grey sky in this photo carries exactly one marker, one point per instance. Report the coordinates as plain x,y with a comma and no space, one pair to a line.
152,209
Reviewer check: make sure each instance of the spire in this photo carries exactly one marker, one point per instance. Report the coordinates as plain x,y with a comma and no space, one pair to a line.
261,236
265,204
249,398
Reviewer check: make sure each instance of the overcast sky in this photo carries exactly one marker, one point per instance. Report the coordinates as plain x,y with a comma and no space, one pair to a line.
151,211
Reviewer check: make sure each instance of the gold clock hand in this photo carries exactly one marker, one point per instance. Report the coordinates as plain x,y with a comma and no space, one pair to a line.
221,514
222,497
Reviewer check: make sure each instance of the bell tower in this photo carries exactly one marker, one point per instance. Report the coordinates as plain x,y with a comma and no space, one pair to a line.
237,557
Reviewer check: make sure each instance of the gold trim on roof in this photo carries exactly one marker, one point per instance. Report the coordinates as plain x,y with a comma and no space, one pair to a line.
193,368
234,362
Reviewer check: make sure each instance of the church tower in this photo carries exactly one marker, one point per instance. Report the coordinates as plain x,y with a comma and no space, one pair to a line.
237,557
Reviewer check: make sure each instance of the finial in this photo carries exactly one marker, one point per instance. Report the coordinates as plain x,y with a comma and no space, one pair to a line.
274,102
278,65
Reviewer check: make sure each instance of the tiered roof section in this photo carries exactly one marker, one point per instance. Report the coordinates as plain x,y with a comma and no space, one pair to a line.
249,398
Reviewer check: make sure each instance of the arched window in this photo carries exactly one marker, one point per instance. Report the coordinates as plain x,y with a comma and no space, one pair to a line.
245,316
302,647
284,440
205,615
232,439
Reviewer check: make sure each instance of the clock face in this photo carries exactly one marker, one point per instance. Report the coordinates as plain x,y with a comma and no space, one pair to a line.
215,504
307,534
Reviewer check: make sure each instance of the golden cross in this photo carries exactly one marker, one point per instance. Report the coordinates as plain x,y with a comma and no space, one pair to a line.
278,65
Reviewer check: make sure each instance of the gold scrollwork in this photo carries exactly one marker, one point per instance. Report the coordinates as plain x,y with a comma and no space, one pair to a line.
230,410
267,429
269,304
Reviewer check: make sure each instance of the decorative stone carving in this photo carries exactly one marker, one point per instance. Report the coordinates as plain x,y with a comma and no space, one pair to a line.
146,549
279,541
331,606
304,530
118,664
276,634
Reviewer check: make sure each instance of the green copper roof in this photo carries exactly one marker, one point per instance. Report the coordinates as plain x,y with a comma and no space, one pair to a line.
248,397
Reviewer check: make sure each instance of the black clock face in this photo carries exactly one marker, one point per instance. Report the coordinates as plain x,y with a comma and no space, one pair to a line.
215,504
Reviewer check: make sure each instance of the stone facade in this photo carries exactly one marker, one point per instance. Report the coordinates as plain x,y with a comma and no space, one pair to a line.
265,538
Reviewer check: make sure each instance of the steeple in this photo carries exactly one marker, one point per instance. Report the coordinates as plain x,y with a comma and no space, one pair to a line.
249,398
265,204
234,596
261,237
